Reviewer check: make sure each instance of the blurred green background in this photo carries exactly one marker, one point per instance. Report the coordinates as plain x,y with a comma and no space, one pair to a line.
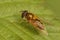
12,26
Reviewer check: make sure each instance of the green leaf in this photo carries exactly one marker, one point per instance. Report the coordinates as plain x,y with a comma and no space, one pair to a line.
13,27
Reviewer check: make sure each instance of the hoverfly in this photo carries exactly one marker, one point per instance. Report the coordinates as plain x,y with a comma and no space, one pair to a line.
34,20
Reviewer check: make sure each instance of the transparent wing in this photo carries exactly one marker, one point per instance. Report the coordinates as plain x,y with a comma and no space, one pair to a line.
41,27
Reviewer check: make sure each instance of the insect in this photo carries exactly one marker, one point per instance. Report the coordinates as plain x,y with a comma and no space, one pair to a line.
34,20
